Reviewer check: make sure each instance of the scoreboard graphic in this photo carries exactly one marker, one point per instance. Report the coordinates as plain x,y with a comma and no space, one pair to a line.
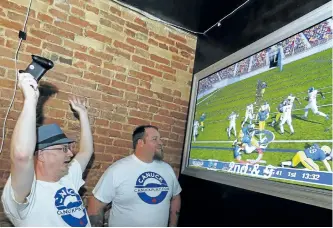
266,172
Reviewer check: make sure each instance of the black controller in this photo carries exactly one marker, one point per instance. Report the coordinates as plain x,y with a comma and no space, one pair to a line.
38,67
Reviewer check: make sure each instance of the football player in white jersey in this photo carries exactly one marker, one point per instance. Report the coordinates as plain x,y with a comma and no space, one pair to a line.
232,123
292,98
312,103
195,130
286,117
248,114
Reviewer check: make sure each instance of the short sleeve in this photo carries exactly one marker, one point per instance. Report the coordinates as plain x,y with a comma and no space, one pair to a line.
14,209
75,174
176,189
104,191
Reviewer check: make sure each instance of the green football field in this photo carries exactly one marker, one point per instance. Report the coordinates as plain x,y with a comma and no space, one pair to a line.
296,78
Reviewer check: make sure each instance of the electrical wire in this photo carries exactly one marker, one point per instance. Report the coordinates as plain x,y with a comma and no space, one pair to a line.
16,80
173,25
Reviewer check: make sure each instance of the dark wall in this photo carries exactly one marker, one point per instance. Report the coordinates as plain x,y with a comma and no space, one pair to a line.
210,204
255,20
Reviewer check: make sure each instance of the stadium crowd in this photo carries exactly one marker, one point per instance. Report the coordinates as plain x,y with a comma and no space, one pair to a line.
309,38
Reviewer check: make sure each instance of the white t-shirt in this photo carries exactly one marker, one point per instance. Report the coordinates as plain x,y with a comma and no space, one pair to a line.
49,203
140,192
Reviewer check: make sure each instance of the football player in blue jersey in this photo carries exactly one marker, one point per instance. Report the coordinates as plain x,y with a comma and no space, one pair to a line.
308,157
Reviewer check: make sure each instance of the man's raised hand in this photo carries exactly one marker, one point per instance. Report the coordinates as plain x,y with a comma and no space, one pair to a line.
29,86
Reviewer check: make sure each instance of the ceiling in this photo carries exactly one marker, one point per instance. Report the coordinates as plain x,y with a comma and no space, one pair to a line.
194,15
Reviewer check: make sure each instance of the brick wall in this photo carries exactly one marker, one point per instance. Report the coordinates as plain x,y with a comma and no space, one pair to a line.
132,71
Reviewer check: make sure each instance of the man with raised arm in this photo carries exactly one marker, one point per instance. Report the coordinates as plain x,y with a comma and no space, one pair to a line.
42,189
144,190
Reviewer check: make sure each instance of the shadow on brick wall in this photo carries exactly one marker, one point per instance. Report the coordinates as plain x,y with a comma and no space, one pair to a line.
46,91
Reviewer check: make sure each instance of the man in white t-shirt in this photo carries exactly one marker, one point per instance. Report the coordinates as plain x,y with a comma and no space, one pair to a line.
42,189
144,190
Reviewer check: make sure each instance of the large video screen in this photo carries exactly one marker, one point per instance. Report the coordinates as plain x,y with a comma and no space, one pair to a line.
269,115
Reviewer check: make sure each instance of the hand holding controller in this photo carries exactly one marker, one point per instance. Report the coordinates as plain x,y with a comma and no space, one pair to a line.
38,67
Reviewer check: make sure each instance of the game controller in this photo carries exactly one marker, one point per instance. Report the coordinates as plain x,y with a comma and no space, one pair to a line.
38,67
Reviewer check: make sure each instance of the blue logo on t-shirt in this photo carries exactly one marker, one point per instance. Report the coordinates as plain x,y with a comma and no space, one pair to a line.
151,188
70,207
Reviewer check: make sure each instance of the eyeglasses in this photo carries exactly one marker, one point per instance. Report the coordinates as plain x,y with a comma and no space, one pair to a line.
65,148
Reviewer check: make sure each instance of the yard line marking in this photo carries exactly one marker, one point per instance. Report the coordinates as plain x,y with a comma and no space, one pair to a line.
276,141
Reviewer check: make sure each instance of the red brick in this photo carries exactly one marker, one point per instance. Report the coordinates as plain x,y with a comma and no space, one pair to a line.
6,52
5,83
130,32
112,17
114,67
180,59
75,46
17,8
95,69
123,143
121,77
163,39
57,49
58,14
118,52
78,3
101,122
88,58
58,31
110,90
185,48
10,24
21,18
97,78
170,106
46,36
115,125
63,6
113,100
177,93
137,27
148,100
98,37
145,92
34,41
69,27
82,23
159,59
124,86
151,71
164,119
169,77
137,43
101,55
78,12
140,75
173,49
136,121
164,46
145,84
177,37
164,97
142,61
121,45
80,65
115,11
92,9
133,80
178,65
140,22
153,42
165,68
81,83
